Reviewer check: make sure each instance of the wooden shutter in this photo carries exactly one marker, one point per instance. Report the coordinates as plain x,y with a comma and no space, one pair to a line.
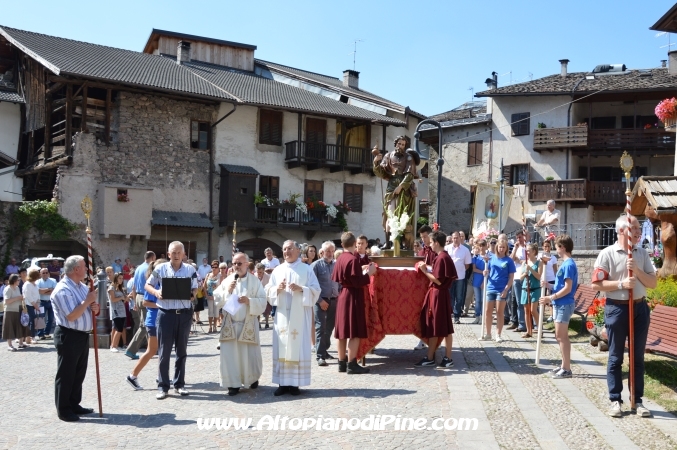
507,175
520,124
474,153
316,131
270,186
352,195
270,127
314,190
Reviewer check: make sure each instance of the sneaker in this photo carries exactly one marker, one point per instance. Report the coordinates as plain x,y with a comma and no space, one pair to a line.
485,337
131,355
312,349
12,349
561,373
498,339
549,320
327,356
161,395
641,410
457,320
421,345
134,383
477,321
555,370
512,326
445,363
519,330
321,362
425,362
615,409
181,391
114,350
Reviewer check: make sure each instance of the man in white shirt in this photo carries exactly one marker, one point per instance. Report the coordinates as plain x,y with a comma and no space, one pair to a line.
270,261
203,270
462,261
550,217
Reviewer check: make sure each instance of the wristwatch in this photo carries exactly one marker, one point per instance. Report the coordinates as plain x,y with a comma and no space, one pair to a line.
620,285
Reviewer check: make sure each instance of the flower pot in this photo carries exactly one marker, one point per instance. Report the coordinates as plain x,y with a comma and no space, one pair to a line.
670,123
396,247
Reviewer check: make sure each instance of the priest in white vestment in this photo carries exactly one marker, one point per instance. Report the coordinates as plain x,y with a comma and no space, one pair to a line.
294,289
242,298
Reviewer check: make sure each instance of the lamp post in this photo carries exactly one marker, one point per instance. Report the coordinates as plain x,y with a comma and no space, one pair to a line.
439,163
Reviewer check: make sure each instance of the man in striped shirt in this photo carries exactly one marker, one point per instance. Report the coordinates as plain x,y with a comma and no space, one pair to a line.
73,307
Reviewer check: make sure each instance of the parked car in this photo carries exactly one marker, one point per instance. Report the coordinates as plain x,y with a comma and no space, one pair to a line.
35,262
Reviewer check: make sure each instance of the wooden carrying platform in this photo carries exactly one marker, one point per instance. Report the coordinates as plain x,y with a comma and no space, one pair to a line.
399,261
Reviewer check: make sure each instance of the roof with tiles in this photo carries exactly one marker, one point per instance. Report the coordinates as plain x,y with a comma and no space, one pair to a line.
69,57
657,79
659,193
9,96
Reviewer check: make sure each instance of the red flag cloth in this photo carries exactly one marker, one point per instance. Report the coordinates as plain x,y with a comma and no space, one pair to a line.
393,306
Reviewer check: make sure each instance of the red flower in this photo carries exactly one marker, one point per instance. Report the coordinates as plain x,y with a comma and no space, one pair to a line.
602,301
592,311
589,325
596,302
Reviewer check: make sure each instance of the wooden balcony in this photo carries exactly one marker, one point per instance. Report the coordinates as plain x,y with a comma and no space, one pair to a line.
332,156
578,190
581,140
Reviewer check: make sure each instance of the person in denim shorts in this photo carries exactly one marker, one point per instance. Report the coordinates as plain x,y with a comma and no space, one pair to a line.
501,271
611,277
562,300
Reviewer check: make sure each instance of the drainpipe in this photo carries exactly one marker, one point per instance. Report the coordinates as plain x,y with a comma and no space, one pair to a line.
211,179
566,208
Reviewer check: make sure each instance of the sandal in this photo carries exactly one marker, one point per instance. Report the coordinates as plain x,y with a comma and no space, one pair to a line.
526,335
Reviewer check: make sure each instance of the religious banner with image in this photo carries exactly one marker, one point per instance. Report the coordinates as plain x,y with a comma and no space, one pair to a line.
486,208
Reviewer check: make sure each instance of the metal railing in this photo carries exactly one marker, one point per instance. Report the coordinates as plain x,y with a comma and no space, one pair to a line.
289,215
586,236
328,155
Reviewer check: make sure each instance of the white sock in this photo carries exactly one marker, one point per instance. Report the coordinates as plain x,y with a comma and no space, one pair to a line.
132,376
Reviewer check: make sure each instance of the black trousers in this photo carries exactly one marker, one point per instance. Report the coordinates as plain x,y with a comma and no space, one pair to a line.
173,331
72,349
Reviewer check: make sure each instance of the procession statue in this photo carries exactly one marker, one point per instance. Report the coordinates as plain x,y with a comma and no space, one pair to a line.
398,168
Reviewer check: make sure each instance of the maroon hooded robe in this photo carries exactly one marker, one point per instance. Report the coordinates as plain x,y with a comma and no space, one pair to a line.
351,321
436,312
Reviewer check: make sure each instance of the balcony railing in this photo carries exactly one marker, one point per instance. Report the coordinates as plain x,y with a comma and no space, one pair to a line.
332,156
581,139
586,236
578,190
288,215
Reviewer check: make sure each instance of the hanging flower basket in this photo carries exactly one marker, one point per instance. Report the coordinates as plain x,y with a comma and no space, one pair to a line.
123,198
666,111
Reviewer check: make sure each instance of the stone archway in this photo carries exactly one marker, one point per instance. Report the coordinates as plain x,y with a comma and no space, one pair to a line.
255,247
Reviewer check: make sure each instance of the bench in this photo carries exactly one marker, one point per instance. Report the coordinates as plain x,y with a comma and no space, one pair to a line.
585,294
662,337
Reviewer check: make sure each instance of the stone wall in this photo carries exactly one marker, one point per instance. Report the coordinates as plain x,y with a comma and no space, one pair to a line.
585,262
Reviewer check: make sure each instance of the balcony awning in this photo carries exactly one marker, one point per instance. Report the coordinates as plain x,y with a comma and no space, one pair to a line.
181,219
240,170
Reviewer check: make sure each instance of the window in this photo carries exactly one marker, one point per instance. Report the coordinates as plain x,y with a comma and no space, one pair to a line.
603,123
424,171
473,189
516,174
270,186
474,153
520,123
313,190
352,196
199,135
270,127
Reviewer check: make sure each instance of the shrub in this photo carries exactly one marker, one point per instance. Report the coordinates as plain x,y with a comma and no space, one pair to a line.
665,293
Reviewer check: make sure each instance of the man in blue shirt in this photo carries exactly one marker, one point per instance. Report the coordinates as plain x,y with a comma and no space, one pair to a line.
174,319
137,294
45,287
325,307
117,266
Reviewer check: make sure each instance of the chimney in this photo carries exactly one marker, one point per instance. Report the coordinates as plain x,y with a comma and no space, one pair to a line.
183,52
351,79
672,62
492,83
664,63
564,63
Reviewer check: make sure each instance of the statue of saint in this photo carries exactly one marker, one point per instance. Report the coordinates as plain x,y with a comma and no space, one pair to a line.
398,167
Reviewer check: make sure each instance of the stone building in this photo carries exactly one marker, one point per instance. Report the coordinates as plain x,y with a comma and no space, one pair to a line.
173,143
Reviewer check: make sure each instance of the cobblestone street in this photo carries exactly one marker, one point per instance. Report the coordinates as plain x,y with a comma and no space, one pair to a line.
516,404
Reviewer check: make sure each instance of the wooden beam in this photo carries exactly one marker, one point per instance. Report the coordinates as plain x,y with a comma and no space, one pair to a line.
69,118
83,121
48,126
55,87
31,170
107,118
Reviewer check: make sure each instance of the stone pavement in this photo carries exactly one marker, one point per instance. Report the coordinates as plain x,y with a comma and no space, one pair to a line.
516,405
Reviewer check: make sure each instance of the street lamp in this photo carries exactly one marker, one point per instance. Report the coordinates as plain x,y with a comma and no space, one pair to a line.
440,161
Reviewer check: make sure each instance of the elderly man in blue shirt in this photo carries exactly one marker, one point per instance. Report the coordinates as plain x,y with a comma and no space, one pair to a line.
73,307
174,319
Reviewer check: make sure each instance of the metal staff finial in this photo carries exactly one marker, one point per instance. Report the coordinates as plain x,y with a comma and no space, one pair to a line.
86,205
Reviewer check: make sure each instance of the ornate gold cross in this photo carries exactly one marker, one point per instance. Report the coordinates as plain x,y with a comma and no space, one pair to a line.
294,334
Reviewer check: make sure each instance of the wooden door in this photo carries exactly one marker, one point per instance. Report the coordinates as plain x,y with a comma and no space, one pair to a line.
316,137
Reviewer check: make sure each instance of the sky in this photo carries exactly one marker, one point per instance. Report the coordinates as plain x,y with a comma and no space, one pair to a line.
423,54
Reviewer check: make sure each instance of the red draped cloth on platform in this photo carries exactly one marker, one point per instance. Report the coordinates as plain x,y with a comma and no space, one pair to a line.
393,306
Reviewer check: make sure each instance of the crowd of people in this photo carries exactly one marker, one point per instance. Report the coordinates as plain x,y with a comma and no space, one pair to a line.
311,294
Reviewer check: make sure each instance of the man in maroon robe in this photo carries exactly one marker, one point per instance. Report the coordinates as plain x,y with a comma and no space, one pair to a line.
351,321
362,246
426,251
436,313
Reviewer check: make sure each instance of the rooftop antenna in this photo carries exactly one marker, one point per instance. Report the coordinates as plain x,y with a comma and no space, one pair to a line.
355,50
472,92
531,76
